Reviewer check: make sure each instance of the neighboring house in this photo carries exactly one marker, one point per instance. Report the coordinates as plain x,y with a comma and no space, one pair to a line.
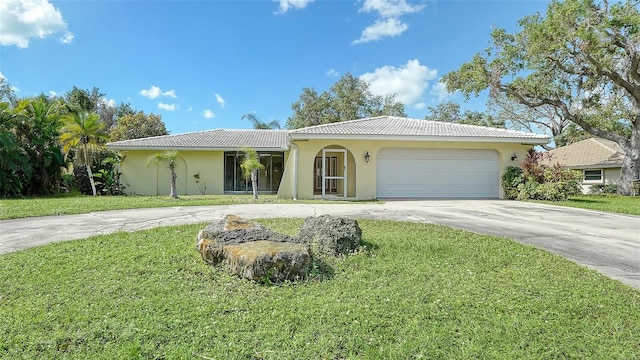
599,160
380,157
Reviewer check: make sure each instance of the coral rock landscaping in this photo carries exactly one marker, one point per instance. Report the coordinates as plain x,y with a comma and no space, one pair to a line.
248,249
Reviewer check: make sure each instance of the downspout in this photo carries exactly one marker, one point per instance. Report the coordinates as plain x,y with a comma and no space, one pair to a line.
295,170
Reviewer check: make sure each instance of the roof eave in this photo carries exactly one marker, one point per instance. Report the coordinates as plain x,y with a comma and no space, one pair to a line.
191,148
593,166
522,140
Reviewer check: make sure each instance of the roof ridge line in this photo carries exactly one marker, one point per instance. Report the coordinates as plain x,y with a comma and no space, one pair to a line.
607,147
339,122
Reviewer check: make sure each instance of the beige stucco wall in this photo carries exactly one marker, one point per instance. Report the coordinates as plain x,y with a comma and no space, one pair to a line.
362,175
611,176
154,179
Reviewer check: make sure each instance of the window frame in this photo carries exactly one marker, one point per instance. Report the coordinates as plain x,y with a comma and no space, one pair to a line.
591,177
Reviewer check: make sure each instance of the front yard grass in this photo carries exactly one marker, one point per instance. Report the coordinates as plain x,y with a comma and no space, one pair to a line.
606,202
82,204
421,291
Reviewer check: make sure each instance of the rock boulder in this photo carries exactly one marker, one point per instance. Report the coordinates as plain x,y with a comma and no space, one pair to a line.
250,250
330,235
259,260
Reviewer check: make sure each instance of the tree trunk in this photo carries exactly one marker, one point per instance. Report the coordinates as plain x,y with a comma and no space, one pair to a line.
254,184
89,172
630,171
93,184
174,188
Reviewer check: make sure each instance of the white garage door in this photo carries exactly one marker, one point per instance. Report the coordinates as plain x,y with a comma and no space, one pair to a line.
437,173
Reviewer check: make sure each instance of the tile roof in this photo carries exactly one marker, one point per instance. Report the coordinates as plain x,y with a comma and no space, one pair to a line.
592,152
383,127
210,139
391,126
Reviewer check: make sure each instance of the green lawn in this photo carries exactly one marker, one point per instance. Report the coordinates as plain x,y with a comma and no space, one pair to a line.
421,291
80,204
608,203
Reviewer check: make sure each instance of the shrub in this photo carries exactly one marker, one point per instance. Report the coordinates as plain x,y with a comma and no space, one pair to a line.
68,182
105,175
538,182
531,167
82,179
510,181
603,189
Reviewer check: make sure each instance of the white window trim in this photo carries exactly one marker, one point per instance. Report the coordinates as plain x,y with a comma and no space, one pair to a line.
584,177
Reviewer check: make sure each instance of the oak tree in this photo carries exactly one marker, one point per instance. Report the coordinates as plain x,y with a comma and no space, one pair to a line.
582,59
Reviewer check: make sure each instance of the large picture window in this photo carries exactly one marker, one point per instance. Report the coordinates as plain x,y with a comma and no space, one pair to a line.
268,179
593,175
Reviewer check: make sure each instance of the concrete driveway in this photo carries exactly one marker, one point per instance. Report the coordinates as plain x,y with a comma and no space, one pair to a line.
609,243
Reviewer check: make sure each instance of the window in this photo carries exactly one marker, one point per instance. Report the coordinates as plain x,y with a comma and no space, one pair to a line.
268,179
593,175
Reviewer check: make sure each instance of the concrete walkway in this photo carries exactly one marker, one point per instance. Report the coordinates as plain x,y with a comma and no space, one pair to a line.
609,243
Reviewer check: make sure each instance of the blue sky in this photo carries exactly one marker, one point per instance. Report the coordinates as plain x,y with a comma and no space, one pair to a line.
203,64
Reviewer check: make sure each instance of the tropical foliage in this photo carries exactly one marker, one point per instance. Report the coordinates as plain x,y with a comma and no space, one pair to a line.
168,158
30,156
34,133
83,132
581,60
535,181
348,99
261,125
250,167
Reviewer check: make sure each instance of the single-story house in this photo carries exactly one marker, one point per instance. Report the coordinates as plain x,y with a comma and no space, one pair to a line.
379,157
598,159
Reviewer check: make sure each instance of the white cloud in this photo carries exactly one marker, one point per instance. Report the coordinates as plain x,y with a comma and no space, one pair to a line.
151,93
209,114
285,5
332,73
170,93
21,20
2,77
154,92
220,100
440,91
108,102
53,93
190,108
167,107
407,82
388,23
380,29
67,38
390,8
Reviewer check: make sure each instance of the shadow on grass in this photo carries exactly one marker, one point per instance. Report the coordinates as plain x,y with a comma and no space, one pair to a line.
369,246
320,270
586,201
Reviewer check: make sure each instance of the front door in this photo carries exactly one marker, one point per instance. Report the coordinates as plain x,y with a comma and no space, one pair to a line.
330,173
331,170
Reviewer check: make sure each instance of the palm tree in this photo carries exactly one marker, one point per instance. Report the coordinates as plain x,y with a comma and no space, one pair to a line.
169,158
83,132
38,123
250,167
260,125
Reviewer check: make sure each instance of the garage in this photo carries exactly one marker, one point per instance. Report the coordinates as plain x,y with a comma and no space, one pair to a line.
437,173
